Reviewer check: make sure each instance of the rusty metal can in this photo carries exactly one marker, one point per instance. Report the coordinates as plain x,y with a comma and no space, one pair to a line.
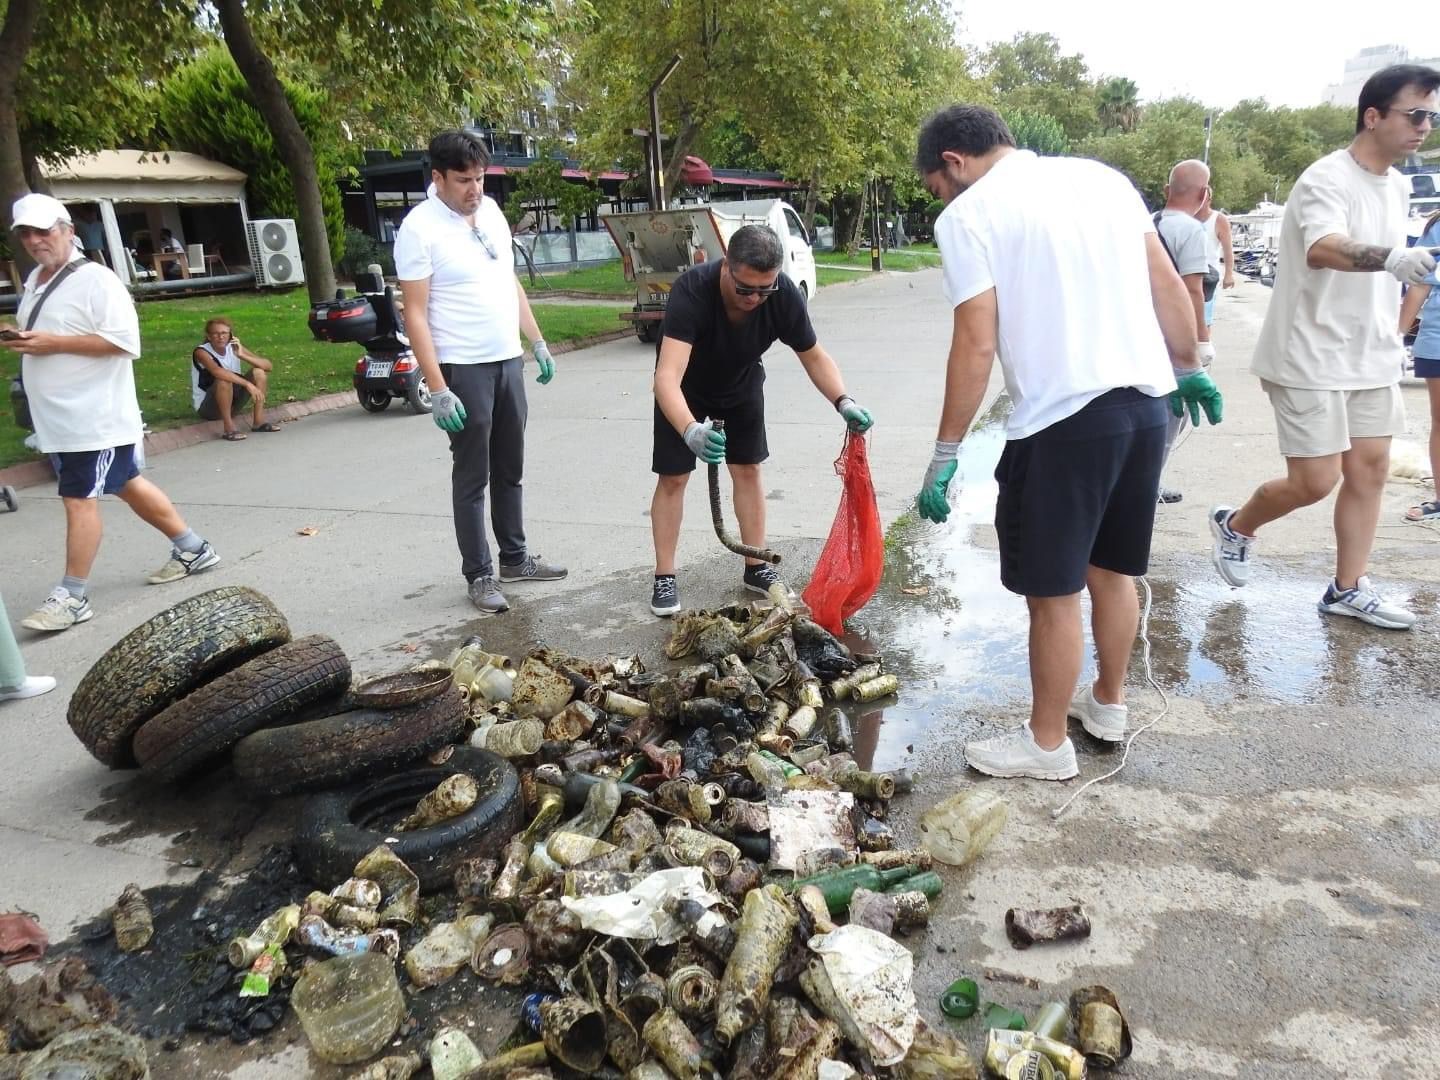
805,755
691,991
131,917
844,686
777,742
801,722
868,785
1102,1034
878,687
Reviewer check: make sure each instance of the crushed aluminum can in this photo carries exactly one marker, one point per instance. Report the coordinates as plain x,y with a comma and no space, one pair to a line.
359,892
315,933
1102,1033
1026,927
1029,1065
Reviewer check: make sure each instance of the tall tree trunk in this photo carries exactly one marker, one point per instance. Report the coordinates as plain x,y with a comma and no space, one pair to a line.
290,142
679,149
847,206
812,195
16,36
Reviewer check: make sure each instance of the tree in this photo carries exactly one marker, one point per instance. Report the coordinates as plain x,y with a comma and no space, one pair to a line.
1172,131
395,68
1117,102
1029,73
71,73
544,183
1037,132
205,107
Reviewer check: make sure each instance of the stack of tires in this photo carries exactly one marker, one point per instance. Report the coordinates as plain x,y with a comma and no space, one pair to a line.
218,675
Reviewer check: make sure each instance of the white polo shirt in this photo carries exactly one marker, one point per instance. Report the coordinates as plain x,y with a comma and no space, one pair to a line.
83,402
1062,243
474,309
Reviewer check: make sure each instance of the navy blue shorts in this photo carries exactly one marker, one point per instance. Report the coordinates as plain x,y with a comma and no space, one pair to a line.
1425,368
1081,493
88,474
745,442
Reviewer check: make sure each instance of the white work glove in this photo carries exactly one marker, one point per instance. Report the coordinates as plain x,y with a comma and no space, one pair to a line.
1411,266
1205,352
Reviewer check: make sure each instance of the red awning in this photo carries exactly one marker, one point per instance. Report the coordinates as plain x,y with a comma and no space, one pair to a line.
748,181
696,172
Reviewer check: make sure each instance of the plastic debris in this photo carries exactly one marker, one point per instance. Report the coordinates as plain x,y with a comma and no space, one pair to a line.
959,828
453,1056
640,912
802,821
870,975
454,795
134,926
445,949
399,887
349,1007
22,939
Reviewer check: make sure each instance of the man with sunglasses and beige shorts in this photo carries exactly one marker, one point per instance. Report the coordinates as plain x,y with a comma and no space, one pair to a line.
719,320
1329,355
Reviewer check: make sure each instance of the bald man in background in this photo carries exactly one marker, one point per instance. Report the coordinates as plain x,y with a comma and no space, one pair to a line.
1185,240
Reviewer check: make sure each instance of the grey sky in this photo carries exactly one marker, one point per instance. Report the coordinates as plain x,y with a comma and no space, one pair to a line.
1283,50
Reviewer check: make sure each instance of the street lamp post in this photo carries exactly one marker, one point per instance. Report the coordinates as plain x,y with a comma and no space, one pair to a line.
657,162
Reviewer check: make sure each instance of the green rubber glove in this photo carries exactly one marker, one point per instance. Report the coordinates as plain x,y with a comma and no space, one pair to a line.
1197,391
934,498
857,418
447,410
544,361
705,442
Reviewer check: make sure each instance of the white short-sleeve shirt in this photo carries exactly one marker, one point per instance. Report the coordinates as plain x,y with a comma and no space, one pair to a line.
474,309
1062,243
1335,329
83,402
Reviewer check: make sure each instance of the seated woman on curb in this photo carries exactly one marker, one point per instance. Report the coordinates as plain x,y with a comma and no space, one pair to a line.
218,386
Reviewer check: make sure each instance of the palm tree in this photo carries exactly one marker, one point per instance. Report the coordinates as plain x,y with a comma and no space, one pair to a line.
1118,104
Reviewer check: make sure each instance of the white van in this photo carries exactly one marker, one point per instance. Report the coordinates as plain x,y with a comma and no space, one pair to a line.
656,247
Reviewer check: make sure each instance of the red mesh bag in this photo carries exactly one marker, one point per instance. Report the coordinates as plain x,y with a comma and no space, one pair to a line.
849,569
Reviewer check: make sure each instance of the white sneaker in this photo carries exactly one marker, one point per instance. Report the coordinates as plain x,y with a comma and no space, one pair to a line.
1104,722
33,686
1231,551
1366,604
184,563
60,611
1017,754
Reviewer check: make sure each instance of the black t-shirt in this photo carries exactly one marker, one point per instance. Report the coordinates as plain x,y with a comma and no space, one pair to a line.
725,365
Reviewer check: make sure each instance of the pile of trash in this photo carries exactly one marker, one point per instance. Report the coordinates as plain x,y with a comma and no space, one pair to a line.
686,872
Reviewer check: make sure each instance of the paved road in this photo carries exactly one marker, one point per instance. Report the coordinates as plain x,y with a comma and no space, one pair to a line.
1263,878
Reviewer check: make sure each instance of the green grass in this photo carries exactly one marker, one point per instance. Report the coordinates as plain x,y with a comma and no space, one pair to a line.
825,275
607,278
273,325
916,257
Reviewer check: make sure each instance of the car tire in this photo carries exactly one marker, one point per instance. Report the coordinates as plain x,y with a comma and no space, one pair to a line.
374,400
338,828
418,399
165,658
200,727
353,745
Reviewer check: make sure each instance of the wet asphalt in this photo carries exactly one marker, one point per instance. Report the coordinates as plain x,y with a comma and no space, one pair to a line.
1263,878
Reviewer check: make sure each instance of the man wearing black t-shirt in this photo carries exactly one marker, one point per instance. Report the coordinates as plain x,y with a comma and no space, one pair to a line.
720,319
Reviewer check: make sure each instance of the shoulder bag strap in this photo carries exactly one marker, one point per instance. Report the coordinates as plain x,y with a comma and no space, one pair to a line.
59,279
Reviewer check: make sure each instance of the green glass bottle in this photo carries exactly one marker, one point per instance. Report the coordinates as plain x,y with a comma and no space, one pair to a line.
837,886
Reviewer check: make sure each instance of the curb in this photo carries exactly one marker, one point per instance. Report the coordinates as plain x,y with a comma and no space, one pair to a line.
31,473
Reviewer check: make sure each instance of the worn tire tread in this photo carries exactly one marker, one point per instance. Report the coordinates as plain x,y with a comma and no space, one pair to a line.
201,726
366,742
166,657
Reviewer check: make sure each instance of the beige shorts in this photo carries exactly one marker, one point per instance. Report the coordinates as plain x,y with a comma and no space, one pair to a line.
1318,423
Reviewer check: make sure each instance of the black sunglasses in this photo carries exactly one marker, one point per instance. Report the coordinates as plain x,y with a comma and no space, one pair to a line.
752,290
484,242
1419,116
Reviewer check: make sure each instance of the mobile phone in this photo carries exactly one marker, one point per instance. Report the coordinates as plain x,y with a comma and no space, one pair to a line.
7,334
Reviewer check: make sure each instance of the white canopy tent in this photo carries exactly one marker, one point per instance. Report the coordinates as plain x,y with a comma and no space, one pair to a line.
144,177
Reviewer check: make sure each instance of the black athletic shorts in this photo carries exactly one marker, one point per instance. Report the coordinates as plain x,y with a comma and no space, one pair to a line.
1080,493
744,434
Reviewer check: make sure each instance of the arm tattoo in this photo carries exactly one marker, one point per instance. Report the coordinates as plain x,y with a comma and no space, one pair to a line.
1364,256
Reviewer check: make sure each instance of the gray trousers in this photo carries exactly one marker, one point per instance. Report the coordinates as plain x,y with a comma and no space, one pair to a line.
12,668
488,450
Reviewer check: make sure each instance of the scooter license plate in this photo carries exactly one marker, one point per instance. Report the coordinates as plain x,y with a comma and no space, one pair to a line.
378,369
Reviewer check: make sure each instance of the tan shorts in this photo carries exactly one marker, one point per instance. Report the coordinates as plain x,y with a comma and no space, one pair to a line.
1318,423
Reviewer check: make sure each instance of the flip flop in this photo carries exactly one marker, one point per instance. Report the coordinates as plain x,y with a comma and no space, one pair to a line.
233,436
266,427
1426,511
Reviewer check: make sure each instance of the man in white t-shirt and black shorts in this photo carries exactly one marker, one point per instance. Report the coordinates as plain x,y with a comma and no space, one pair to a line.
1329,355
1088,368
78,351
464,312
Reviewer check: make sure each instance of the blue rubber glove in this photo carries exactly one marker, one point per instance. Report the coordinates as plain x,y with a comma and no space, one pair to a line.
857,419
447,410
705,442
934,498
544,361
1197,391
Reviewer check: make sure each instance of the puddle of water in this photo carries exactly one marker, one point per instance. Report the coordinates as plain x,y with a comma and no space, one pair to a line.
958,638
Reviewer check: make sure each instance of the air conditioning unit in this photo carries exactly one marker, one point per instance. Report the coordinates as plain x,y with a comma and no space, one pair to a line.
275,253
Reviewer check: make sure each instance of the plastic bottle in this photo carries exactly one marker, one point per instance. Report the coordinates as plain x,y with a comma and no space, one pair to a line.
601,805
350,1007
958,829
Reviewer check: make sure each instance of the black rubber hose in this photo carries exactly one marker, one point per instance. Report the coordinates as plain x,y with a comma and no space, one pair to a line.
764,554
